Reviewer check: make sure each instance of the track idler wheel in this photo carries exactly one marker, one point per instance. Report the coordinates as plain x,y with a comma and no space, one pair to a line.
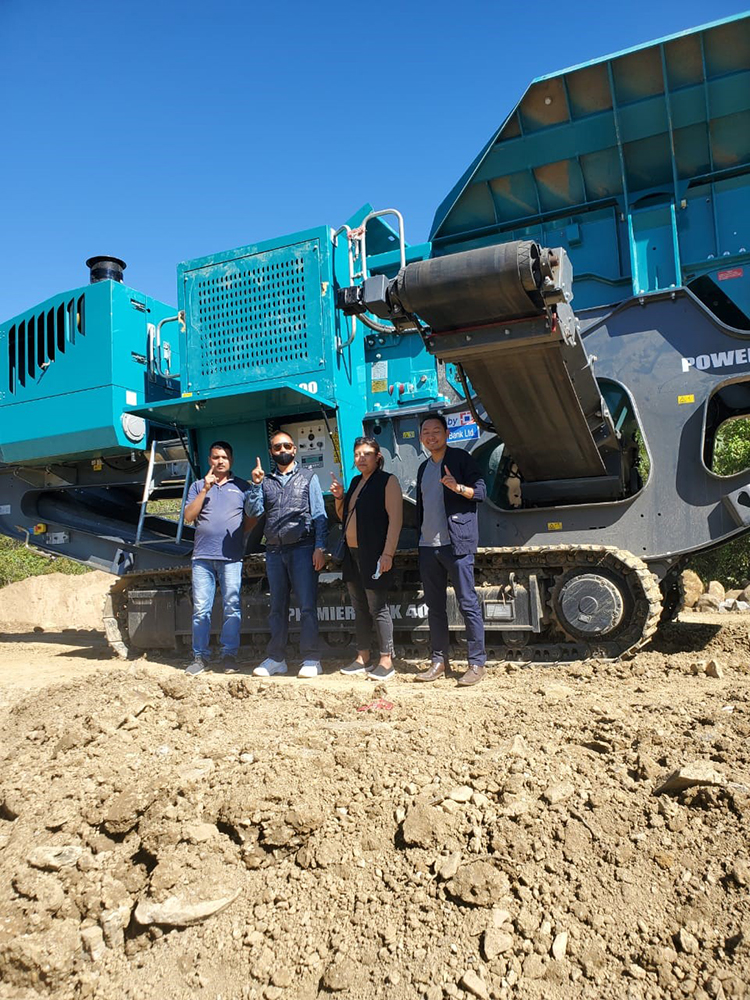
590,605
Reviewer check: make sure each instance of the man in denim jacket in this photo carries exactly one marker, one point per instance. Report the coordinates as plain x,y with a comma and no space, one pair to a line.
449,487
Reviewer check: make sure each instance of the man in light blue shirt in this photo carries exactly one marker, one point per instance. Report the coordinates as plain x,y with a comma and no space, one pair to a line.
215,504
296,530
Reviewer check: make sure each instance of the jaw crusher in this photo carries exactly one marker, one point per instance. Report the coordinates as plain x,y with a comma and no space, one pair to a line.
580,315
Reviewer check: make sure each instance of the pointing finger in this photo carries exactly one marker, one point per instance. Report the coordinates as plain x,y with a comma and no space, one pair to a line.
257,463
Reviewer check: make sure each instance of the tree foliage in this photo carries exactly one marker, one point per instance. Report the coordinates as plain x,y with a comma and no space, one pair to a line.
731,562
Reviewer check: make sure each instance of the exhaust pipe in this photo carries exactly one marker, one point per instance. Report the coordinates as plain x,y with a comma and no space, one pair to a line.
105,268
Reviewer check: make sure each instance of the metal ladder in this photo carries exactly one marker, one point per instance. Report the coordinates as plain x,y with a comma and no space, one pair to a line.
149,488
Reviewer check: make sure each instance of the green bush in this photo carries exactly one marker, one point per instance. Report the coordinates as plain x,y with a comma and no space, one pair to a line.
17,562
730,563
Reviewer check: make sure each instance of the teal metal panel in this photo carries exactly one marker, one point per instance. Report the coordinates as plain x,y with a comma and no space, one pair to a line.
81,354
659,119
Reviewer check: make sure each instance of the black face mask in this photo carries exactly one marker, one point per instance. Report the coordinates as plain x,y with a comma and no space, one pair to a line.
283,458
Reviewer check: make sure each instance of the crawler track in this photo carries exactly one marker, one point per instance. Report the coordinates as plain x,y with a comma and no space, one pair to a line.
636,591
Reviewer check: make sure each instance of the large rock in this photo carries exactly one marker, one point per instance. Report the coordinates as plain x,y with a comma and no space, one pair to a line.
180,911
716,589
707,602
691,586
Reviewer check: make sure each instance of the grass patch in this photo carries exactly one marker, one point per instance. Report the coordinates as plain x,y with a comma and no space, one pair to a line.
17,562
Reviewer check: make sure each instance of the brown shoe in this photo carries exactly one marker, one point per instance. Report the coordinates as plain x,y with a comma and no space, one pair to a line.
436,670
473,675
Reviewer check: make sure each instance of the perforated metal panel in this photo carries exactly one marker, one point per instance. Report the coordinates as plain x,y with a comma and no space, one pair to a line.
255,317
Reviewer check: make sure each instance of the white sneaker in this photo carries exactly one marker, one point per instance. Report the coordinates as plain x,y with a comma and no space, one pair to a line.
269,667
310,668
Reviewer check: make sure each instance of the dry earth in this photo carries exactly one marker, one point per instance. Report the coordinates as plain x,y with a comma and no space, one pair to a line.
225,837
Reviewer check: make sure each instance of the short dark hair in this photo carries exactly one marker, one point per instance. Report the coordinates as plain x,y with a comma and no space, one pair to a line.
371,443
222,444
433,416
276,434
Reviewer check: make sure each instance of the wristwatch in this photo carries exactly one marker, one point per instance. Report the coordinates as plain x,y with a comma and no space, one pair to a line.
461,490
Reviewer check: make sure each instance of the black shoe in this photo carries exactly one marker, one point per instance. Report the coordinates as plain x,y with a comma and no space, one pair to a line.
355,667
380,673
228,664
196,667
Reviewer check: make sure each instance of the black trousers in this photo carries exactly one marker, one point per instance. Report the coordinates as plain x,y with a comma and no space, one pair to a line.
370,608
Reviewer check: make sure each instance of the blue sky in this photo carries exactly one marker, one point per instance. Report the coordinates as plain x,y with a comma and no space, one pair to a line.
161,131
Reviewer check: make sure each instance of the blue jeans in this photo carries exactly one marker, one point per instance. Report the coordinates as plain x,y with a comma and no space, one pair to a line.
205,574
292,569
436,566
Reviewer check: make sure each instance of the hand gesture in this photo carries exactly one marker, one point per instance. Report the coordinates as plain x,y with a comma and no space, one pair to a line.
337,489
319,559
208,480
386,562
258,475
449,480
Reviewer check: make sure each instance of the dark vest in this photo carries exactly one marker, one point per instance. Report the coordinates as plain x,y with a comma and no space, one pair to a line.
372,528
288,519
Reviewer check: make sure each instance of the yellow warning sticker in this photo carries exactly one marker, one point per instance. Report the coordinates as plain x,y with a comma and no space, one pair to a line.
554,525
408,434
686,399
186,394
379,385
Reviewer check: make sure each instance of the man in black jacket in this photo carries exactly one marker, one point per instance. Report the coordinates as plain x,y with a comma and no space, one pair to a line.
296,530
449,487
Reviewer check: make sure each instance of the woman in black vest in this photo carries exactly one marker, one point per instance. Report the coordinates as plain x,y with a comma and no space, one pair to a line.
371,513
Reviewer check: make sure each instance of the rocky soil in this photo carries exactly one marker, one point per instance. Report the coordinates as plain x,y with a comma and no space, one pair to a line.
227,837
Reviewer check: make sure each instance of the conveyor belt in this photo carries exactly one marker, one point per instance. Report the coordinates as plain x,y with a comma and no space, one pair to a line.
498,313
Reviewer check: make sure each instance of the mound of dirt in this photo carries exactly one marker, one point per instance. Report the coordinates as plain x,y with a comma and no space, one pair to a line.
237,838
55,601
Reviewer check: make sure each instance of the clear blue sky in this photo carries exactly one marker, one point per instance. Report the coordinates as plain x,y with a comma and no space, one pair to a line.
159,131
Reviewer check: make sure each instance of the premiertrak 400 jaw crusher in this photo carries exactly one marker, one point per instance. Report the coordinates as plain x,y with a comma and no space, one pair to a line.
580,315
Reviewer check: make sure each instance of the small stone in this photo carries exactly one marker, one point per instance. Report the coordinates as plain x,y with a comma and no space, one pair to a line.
495,942
534,966
560,946
479,883
54,858
393,977
557,692
741,873
698,773
176,911
199,833
687,942
519,747
92,940
272,992
461,794
446,868
635,971
714,669
340,974
500,917
471,982
558,793
282,978
424,826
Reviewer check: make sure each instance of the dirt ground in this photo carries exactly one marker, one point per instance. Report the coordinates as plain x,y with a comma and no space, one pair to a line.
225,837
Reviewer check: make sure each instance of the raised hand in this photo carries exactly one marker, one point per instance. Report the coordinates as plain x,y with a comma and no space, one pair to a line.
208,480
337,489
258,475
449,480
